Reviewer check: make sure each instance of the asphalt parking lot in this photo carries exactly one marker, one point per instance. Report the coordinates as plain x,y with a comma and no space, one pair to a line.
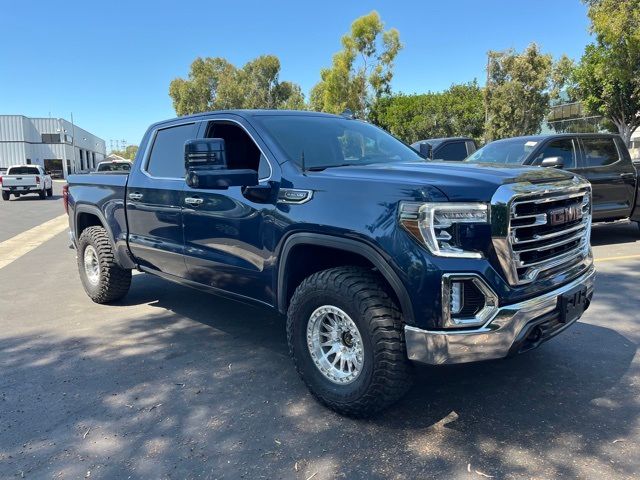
175,383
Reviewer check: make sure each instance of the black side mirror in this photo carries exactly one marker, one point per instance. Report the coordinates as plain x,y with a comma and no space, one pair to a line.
553,162
206,164
425,149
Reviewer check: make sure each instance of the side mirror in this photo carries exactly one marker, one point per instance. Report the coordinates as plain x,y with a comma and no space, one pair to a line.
425,149
553,162
206,165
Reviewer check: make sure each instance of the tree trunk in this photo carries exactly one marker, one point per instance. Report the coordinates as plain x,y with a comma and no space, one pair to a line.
625,132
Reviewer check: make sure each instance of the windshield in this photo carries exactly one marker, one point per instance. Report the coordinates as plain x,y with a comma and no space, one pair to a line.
114,167
328,141
513,151
23,171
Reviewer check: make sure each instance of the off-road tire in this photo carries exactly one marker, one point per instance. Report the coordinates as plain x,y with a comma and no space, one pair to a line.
43,194
386,373
114,281
50,191
6,195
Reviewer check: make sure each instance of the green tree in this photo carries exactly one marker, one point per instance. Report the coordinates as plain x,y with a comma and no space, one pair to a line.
214,84
607,79
129,152
562,75
517,91
361,72
458,111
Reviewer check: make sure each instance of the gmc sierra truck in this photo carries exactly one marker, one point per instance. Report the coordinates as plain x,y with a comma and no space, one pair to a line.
377,257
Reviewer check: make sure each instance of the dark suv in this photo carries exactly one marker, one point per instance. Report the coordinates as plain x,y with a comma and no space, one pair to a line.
603,159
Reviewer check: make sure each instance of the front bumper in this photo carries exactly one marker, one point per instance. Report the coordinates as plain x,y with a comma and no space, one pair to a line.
509,331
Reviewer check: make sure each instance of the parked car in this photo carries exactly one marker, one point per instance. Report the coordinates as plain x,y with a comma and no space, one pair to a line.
603,159
25,179
450,148
120,166
377,257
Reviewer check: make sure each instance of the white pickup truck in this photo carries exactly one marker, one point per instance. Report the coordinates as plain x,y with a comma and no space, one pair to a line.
24,179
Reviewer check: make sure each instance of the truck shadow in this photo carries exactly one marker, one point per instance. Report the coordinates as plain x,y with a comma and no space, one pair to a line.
204,387
614,233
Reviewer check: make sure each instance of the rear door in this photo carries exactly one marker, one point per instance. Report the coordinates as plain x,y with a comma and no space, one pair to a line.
612,176
154,201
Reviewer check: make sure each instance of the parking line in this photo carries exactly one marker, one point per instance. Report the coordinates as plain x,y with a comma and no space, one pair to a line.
611,259
16,247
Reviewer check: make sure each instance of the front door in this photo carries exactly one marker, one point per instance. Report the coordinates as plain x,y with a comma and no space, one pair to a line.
227,237
154,202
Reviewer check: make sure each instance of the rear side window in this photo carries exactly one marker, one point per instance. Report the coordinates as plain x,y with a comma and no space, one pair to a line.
167,153
23,171
451,151
599,152
559,148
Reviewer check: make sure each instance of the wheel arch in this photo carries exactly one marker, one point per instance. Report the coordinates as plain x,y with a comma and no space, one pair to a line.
343,251
90,216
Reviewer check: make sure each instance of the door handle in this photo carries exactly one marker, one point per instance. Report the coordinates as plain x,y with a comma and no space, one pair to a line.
194,201
627,175
135,196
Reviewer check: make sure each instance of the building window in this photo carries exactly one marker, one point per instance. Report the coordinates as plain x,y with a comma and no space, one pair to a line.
50,138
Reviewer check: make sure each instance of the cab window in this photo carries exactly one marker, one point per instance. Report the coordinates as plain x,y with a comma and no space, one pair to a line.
562,148
599,152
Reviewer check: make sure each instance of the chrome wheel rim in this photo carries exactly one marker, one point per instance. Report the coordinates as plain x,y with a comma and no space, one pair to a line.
91,265
335,344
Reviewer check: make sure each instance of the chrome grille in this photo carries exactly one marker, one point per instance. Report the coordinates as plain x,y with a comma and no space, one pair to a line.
537,244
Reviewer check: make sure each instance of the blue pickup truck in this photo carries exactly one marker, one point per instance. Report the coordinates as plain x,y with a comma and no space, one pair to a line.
378,258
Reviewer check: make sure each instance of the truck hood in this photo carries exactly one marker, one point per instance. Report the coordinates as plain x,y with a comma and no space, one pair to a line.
457,181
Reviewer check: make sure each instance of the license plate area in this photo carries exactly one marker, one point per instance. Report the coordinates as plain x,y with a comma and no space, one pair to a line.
572,304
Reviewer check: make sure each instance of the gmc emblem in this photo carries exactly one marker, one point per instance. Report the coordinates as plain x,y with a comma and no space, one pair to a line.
560,216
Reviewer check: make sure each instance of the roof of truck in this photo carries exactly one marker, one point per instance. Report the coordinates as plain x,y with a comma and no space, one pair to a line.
538,138
248,113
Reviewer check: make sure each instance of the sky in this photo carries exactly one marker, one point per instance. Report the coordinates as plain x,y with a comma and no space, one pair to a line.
110,63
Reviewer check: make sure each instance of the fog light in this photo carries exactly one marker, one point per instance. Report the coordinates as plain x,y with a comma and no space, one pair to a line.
457,297
467,301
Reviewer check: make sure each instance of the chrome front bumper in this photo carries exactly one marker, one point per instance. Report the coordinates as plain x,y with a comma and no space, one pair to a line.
493,340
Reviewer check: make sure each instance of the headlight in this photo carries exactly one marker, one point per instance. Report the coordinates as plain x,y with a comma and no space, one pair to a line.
435,225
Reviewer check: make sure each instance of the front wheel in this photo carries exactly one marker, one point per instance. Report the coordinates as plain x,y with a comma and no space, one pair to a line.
346,337
102,278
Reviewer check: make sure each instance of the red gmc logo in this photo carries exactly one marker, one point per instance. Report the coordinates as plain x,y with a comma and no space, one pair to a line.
560,216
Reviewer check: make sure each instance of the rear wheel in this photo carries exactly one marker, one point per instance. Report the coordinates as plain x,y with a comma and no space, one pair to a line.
50,191
102,278
346,337
6,195
43,194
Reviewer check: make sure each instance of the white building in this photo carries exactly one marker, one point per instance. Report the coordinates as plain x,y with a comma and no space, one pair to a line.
54,143
634,148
